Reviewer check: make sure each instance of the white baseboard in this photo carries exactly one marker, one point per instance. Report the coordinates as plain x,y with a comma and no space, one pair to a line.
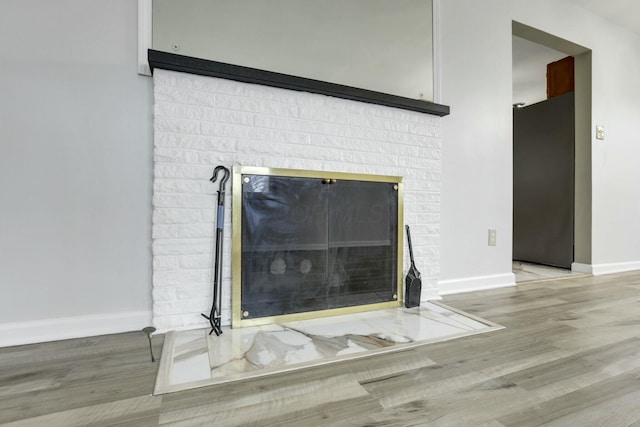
617,267
30,332
478,283
430,294
582,268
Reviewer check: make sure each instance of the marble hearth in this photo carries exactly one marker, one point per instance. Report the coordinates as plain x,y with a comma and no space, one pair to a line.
194,358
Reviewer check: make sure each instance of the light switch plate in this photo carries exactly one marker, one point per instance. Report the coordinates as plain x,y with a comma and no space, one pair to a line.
599,132
492,237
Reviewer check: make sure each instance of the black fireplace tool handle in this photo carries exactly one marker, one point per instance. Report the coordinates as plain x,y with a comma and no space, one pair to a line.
214,316
413,282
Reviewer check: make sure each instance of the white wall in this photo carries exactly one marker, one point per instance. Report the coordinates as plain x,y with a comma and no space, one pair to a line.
75,171
476,81
476,149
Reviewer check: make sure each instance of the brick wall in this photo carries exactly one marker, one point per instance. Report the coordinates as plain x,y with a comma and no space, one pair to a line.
201,122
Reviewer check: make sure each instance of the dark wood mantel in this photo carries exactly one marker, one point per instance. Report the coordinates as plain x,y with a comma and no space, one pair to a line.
204,67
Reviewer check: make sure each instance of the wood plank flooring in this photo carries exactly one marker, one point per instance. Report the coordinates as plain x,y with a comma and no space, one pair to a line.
569,356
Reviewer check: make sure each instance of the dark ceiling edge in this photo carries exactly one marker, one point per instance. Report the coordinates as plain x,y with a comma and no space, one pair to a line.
204,67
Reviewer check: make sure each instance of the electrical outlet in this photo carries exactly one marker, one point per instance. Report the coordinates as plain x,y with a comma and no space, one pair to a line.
492,237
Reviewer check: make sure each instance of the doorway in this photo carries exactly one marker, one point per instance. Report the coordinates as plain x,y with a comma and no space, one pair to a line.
543,182
552,160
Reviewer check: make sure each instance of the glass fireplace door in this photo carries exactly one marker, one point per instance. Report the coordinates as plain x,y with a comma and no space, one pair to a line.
363,235
313,244
284,245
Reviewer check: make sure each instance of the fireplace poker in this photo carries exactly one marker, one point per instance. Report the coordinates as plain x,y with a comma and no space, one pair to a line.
214,316
149,330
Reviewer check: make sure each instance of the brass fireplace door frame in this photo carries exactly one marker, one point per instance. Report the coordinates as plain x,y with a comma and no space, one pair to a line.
236,285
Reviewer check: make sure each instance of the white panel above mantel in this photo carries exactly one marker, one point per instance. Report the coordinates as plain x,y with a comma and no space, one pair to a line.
202,122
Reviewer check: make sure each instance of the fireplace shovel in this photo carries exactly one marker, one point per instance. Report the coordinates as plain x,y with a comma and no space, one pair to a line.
214,316
413,282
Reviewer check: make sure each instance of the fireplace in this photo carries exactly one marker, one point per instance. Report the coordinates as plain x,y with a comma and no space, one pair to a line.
202,121
314,243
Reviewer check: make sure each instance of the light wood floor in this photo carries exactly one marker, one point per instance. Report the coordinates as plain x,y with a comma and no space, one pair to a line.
569,356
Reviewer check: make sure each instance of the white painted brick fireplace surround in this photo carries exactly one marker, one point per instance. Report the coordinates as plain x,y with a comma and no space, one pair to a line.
201,122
